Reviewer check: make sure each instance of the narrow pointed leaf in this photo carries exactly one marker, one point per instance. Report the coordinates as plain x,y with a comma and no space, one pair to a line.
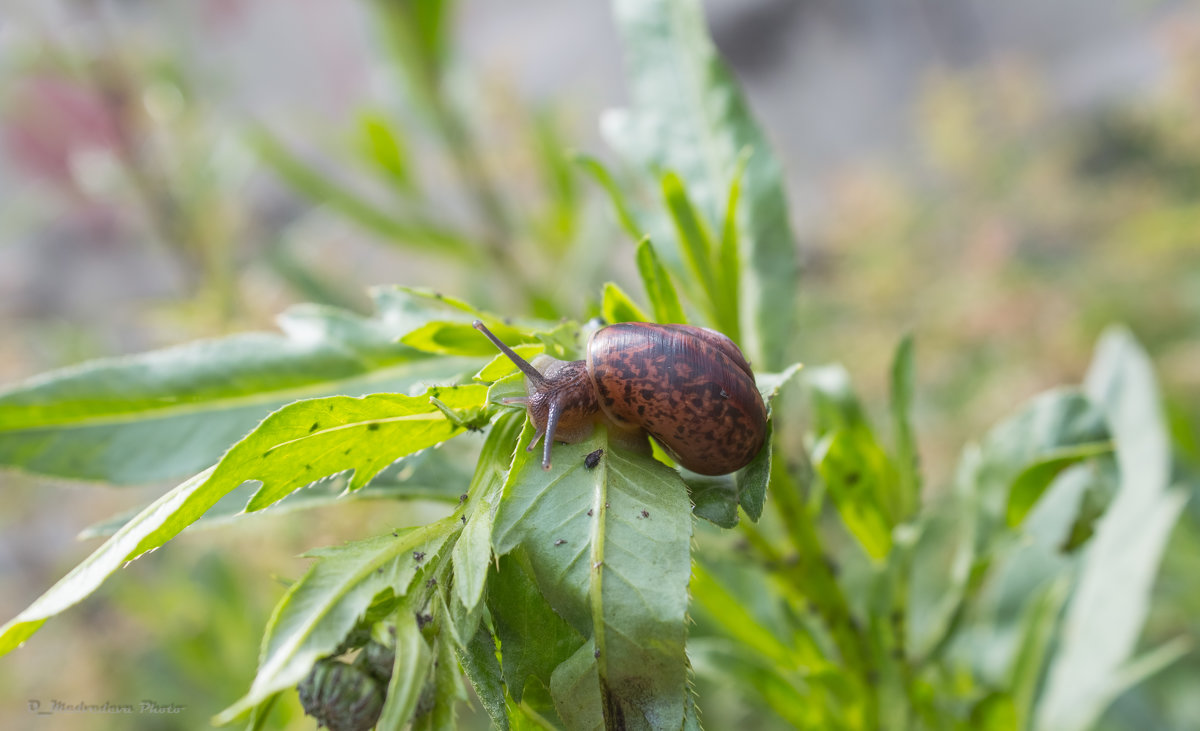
695,241
483,671
616,306
89,574
409,672
688,115
473,551
319,187
659,288
1029,485
620,207
907,458
460,338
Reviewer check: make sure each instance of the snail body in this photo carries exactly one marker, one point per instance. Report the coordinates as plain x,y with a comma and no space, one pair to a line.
688,387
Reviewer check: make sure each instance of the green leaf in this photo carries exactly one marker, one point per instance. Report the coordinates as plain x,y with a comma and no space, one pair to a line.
90,573
729,612
502,365
432,474
316,185
862,482
1029,485
1106,612
695,241
473,551
320,609
384,148
616,306
291,448
1058,419
534,638
576,689
460,338
309,439
995,712
834,405
941,566
752,480
610,550
813,701
729,258
1037,632
171,413
601,175
907,458
689,116
447,691
659,288
482,669
409,671
713,498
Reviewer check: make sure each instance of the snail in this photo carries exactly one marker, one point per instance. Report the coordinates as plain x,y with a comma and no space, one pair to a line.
688,387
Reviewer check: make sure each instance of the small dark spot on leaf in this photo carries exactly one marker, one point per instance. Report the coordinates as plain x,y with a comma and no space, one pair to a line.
395,534
268,453
645,513
348,450
423,619
560,541
379,571
462,498
418,556
464,519
853,478
316,425
606,505
593,458
437,295
596,654
432,582
372,427
590,512
307,467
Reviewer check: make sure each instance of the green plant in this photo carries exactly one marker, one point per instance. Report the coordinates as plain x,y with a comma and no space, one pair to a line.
823,582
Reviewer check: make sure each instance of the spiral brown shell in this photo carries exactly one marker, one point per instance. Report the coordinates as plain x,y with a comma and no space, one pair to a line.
689,387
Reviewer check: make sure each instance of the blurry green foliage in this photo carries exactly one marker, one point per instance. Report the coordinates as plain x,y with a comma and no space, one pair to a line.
835,582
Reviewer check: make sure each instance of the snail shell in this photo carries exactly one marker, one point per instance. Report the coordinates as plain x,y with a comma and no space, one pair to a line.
688,387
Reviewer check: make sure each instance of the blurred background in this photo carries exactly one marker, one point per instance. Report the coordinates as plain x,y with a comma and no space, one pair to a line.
1001,179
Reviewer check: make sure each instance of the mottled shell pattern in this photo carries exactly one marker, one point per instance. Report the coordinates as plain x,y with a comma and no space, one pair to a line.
689,387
